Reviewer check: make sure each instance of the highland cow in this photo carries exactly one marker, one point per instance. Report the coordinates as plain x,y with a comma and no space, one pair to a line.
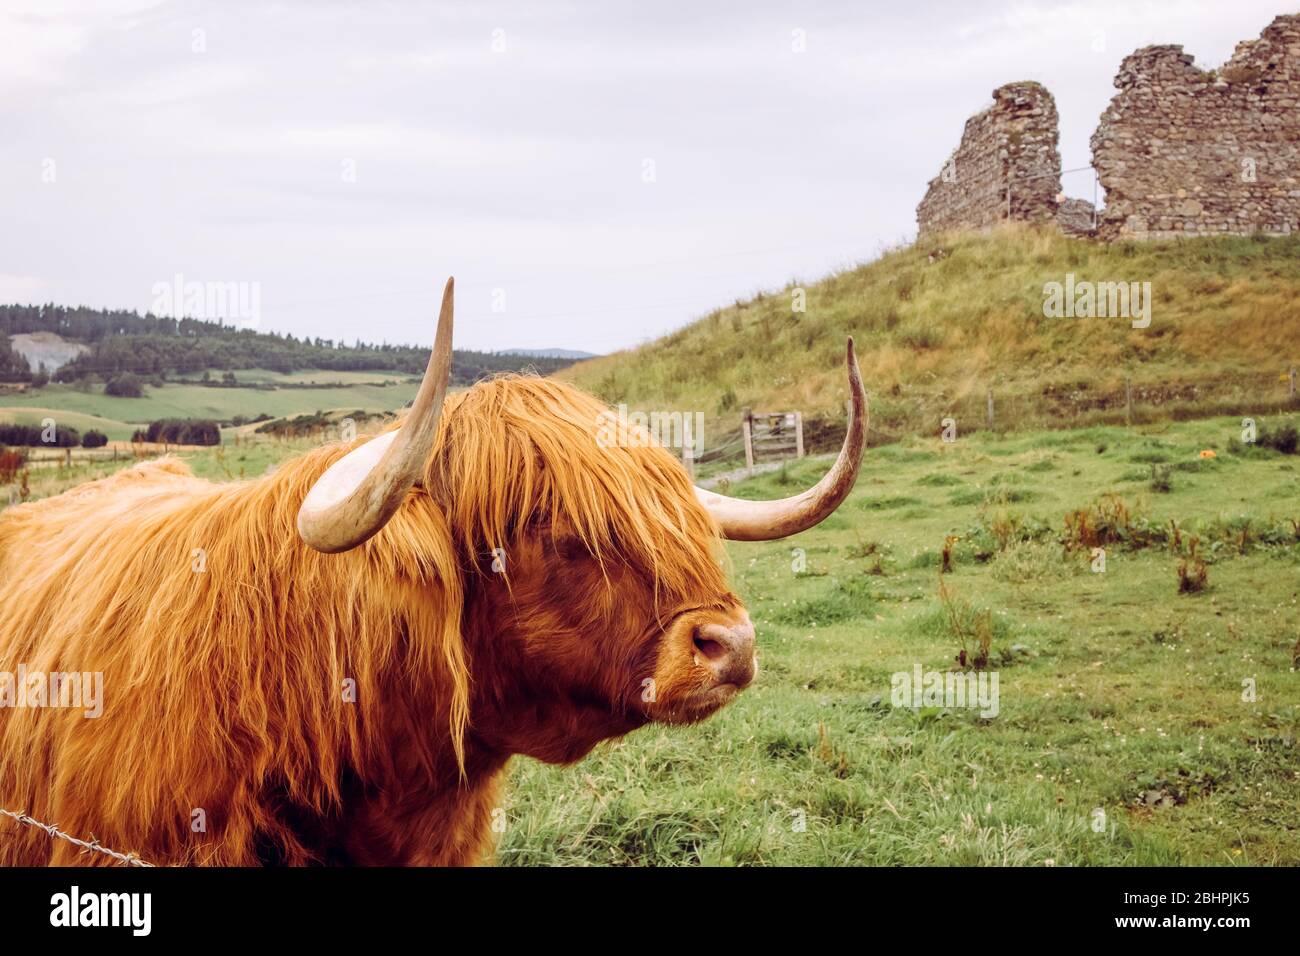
333,663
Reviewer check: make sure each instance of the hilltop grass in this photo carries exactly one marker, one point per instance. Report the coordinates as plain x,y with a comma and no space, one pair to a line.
940,322
1122,738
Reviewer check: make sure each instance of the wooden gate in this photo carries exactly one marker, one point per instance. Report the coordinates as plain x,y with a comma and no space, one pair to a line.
773,435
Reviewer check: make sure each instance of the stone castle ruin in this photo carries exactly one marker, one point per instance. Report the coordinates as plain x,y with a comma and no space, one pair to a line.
1179,151
1006,167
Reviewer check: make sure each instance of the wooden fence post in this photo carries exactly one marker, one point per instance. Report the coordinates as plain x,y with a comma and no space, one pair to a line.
747,426
1290,392
688,458
990,398
798,434
1128,399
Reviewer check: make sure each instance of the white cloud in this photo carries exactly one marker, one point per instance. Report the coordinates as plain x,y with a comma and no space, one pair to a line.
44,37
22,289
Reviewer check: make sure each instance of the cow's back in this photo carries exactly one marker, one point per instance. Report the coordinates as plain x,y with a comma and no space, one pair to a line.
65,572
245,675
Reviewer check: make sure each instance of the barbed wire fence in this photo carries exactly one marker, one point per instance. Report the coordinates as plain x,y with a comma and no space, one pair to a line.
93,844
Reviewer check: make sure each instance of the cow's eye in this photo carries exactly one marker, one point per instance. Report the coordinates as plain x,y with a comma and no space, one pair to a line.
571,548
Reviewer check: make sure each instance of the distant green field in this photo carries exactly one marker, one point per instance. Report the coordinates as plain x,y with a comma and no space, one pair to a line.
35,415
316,375
197,401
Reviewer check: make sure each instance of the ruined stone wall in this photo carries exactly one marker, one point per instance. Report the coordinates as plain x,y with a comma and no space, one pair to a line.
1181,151
1075,217
1013,142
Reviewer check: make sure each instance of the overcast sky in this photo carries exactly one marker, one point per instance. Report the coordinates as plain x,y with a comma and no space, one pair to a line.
593,174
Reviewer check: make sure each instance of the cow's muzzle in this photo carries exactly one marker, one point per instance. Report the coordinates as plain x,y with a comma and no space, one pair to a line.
726,652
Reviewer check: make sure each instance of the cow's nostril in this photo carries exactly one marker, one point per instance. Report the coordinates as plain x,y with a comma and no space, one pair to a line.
726,652
713,650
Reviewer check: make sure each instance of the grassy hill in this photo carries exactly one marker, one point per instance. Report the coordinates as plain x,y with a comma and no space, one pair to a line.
939,323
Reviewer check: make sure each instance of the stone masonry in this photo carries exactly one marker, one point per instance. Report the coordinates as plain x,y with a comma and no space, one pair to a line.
1013,142
1075,217
1181,151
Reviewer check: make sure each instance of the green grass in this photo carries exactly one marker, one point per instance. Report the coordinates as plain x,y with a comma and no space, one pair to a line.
1120,699
1123,697
933,336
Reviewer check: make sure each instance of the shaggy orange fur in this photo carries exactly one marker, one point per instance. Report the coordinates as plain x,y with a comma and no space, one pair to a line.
229,648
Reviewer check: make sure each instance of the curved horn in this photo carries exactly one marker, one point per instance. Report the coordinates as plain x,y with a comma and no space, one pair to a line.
742,520
357,494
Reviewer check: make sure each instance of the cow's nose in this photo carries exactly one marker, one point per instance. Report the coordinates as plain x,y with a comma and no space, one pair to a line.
727,651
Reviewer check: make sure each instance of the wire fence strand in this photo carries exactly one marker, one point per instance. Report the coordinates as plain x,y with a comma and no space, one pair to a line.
128,858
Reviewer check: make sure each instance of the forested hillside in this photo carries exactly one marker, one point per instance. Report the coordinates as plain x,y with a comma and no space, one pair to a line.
149,345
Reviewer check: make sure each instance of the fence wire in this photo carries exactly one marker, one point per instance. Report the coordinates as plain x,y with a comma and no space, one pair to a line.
128,858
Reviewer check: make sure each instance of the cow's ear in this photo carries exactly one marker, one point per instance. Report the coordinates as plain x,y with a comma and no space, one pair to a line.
357,494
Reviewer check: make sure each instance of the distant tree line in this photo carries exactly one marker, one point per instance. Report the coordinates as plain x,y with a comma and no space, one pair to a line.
124,385
311,424
33,436
180,431
127,343
173,431
13,367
